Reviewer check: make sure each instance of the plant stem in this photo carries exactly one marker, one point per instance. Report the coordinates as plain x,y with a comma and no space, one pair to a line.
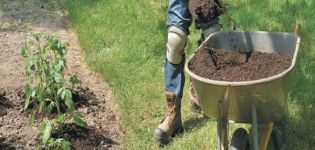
58,106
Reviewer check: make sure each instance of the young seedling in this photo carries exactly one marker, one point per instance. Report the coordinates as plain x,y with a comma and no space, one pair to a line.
46,89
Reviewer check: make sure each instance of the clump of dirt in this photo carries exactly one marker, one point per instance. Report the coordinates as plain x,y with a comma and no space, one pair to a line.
3,104
4,145
84,138
204,10
83,97
224,65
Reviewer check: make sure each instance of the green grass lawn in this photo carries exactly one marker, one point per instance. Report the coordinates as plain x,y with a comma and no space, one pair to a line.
124,40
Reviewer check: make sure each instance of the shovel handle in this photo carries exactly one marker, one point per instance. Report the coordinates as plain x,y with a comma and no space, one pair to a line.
297,29
231,20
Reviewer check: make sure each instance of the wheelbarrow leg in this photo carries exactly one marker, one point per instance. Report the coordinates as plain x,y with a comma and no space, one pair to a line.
265,136
222,129
222,124
254,127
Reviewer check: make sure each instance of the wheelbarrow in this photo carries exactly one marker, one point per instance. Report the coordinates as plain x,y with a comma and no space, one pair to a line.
256,102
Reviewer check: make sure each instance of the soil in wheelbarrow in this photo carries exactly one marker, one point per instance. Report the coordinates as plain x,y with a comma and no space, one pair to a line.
204,10
224,65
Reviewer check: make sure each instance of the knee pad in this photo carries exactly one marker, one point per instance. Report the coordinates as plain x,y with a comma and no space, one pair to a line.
176,41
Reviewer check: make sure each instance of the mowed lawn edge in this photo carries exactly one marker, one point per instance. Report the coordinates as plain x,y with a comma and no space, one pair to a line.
125,43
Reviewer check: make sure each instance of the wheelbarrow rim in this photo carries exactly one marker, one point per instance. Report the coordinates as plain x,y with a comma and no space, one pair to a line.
242,83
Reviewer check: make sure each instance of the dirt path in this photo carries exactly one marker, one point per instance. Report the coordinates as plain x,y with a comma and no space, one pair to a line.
18,22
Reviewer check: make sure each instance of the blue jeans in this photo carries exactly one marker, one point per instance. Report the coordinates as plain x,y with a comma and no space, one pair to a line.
179,16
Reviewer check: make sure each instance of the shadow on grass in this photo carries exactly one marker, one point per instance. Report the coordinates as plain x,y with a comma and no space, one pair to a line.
195,122
189,125
299,126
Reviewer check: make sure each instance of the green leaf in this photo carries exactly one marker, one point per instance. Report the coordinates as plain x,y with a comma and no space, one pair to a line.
68,99
52,143
47,132
78,120
33,93
63,93
62,62
32,118
74,80
39,94
57,78
58,67
24,49
37,36
53,42
27,96
65,145
45,48
60,90
50,106
28,71
48,90
61,143
30,66
41,105
42,127
68,94
61,118
58,44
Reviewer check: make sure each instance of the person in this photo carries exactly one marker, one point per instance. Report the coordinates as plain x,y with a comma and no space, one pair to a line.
179,20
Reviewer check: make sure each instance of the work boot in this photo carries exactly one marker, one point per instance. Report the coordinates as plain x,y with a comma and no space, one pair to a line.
194,103
172,122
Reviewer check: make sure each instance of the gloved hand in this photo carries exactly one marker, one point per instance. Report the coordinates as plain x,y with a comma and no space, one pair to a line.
210,30
206,32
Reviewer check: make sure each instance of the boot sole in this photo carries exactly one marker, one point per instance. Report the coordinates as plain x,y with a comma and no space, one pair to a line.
163,138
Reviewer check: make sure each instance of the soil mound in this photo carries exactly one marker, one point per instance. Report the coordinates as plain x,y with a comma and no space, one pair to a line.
233,66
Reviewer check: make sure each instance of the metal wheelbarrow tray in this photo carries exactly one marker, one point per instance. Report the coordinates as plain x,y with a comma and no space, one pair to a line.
258,101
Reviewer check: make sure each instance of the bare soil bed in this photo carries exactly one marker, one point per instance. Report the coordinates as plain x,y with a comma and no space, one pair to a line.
233,66
93,98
